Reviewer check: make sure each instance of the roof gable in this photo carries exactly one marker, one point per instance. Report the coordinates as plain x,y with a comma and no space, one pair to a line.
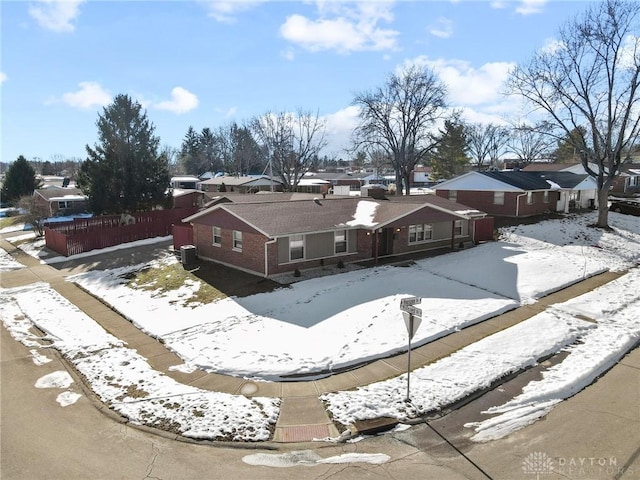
477,181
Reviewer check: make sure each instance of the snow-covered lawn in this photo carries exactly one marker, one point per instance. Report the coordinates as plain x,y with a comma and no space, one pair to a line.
124,380
329,322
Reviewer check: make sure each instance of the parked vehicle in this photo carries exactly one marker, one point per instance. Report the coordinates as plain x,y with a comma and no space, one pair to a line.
628,208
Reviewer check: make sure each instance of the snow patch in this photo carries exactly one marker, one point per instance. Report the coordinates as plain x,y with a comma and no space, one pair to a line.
59,379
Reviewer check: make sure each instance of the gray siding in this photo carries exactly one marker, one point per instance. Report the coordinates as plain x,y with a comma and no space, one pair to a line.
317,245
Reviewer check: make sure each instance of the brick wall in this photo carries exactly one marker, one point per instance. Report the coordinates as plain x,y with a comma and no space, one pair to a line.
250,258
483,201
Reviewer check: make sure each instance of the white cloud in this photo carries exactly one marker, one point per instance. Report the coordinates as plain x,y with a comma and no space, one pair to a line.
226,11
339,126
443,28
551,46
56,15
3,77
90,95
498,4
343,27
231,112
529,7
288,54
630,52
466,84
182,101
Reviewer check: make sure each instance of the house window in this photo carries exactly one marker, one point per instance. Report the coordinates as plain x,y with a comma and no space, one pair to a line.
529,198
416,233
296,247
62,205
217,237
340,241
420,233
453,195
457,228
498,198
545,196
237,240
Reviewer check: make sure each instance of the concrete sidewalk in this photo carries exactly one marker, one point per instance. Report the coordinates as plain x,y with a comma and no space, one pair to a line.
302,415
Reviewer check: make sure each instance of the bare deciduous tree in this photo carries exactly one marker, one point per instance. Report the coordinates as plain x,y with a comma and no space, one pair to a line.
486,142
590,81
35,213
292,140
398,118
530,143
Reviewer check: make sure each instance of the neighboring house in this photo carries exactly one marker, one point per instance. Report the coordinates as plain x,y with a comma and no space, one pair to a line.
270,236
187,182
183,198
355,180
240,184
627,181
519,193
61,201
313,185
421,176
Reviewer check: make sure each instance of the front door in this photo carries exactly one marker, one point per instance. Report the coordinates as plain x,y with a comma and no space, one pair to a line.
385,239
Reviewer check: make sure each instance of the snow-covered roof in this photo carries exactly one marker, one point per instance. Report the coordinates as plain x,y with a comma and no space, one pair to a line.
67,198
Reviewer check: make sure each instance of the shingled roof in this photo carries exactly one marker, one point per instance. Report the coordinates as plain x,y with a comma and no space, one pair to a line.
317,215
522,180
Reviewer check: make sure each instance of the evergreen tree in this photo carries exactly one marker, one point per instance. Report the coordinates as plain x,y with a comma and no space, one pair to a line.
246,155
189,158
20,179
450,157
566,152
210,160
124,172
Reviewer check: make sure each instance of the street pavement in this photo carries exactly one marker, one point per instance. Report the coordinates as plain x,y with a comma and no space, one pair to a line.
600,424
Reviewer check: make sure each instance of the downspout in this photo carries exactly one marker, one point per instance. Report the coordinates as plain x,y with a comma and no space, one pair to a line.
375,246
266,256
453,233
518,202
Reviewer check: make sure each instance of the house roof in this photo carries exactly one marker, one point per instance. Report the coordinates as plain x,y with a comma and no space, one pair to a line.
563,179
280,218
180,192
238,181
59,193
513,181
343,176
521,180
548,167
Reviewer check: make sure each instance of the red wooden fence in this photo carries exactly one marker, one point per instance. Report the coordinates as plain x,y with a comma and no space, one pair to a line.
182,235
85,234
483,229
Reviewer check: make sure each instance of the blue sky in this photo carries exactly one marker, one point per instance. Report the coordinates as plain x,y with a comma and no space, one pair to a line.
207,63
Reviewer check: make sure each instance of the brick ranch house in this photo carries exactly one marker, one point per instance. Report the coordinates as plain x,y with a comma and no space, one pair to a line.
520,193
61,201
270,236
